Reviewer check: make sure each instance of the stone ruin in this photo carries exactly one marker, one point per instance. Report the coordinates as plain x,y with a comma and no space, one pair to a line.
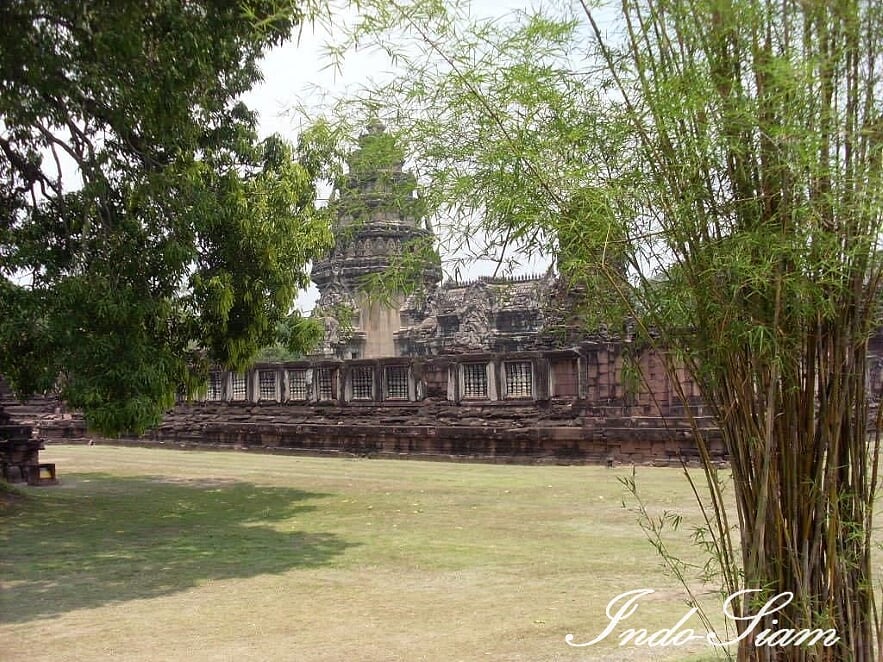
20,447
377,217
483,315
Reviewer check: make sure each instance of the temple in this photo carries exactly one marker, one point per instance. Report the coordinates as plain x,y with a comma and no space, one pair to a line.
378,220
495,369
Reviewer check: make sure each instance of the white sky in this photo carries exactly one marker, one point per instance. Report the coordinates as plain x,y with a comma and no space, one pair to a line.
298,73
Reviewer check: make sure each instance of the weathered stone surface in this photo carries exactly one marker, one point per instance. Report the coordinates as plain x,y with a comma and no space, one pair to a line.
483,315
440,425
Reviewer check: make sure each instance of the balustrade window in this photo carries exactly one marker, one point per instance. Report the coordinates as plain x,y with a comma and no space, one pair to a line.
363,383
475,380
215,386
325,381
267,384
297,384
240,391
519,379
397,382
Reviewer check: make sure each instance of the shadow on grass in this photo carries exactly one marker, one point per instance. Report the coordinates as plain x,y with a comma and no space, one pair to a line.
100,539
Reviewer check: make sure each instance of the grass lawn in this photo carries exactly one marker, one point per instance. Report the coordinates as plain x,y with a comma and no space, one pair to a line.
153,554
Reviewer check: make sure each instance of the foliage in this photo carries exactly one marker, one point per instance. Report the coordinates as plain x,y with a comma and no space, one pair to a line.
656,529
141,218
717,166
296,336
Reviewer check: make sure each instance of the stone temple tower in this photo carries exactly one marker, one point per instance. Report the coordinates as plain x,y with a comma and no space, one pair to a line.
377,212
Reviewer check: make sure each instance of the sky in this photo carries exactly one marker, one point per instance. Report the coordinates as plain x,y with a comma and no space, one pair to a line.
299,73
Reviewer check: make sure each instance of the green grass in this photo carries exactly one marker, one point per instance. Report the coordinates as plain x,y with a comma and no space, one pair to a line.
151,554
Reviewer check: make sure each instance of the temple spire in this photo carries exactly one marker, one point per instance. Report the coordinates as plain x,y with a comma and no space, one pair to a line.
377,213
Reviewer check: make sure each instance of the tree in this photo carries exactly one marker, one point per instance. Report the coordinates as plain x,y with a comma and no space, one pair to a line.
729,152
144,230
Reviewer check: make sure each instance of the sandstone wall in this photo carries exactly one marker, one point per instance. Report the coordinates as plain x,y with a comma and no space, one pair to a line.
499,431
584,404
553,406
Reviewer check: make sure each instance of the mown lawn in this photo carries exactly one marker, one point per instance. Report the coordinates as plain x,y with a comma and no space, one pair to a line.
154,554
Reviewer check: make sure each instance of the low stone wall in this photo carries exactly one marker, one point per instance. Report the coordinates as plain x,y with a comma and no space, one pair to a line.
568,405
565,432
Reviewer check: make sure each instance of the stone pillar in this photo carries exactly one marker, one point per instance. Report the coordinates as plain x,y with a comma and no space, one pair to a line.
415,386
344,384
542,369
494,366
378,382
312,385
284,387
581,377
252,385
454,389
227,390
594,375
